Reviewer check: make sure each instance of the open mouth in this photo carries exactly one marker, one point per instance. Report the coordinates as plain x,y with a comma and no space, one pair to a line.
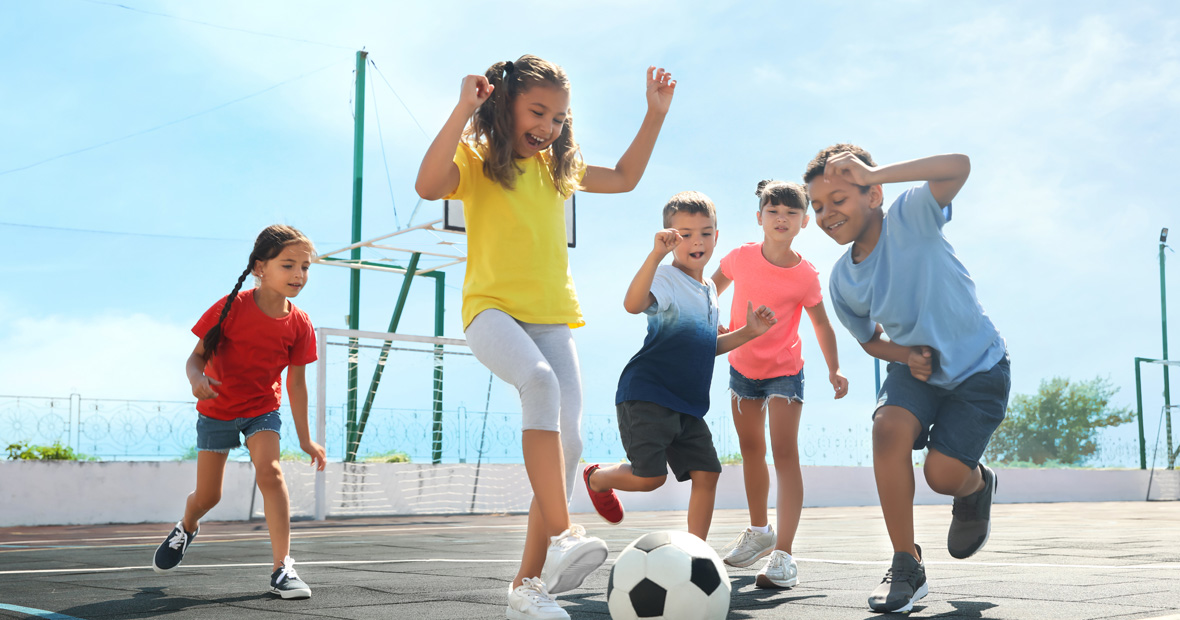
696,255
533,141
832,227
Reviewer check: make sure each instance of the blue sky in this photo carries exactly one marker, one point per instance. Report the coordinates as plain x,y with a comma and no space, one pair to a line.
1068,111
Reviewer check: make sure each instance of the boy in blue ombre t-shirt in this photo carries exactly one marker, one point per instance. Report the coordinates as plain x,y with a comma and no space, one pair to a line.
664,390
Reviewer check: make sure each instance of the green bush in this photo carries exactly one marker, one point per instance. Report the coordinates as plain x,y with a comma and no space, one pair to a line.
25,451
732,459
393,456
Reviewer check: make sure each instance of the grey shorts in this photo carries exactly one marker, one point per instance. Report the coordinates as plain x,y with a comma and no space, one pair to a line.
215,435
959,422
657,438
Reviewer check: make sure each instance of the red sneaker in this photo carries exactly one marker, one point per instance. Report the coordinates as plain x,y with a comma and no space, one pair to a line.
605,502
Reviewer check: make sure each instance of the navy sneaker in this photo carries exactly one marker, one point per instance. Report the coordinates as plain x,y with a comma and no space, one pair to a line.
971,521
904,584
171,551
286,583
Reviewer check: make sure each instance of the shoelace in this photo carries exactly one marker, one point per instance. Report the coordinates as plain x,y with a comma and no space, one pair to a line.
537,593
967,508
571,536
287,570
178,538
899,574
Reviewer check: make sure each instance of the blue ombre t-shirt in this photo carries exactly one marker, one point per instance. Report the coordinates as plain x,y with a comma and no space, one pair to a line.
675,365
915,287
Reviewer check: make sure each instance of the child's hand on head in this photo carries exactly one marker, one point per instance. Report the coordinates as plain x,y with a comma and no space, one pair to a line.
850,168
660,88
475,90
760,320
666,241
839,383
920,362
203,388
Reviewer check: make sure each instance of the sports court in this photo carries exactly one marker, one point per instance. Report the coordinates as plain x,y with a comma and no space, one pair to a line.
1044,561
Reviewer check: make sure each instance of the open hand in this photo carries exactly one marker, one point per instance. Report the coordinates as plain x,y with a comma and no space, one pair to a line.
759,320
475,90
316,452
921,362
203,388
660,88
850,168
666,241
839,383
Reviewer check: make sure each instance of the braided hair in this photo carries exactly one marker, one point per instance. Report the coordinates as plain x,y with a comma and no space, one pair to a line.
269,244
781,194
491,125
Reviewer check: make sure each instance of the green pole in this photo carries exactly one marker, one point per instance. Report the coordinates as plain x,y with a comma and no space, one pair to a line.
380,367
436,447
354,283
1164,324
1139,414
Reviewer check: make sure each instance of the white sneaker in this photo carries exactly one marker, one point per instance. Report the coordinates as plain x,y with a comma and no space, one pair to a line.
531,601
571,556
749,547
780,571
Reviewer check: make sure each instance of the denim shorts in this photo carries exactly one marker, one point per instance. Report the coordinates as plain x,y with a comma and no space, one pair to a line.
215,435
959,422
789,387
657,438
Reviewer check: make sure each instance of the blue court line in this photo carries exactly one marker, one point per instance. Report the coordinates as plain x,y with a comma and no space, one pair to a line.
40,613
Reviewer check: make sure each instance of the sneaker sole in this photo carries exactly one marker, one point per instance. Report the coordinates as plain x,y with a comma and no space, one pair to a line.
290,594
162,571
909,606
512,614
577,568
749,562
762,581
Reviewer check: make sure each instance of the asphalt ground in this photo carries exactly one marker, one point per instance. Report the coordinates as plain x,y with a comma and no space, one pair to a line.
1044,561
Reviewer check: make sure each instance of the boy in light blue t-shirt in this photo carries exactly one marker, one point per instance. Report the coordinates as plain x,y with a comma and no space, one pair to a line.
663,392
948,378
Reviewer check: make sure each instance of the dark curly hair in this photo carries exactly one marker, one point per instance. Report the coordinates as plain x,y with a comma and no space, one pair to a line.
815,169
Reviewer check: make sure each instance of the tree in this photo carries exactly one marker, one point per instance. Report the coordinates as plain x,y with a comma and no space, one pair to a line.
1057,423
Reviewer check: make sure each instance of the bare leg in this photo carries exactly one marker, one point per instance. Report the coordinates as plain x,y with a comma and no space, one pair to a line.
549,513
894,432
948,475
749,420
210,473
621,477
264,453
784,441
701,501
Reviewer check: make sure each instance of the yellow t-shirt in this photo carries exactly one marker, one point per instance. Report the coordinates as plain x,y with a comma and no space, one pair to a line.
517,258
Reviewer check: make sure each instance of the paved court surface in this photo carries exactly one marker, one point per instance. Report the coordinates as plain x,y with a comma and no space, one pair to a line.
1044,561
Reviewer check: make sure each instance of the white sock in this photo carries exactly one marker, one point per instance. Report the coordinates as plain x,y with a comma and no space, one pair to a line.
765,529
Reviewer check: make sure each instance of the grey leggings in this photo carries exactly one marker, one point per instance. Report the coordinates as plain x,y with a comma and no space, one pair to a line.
541,362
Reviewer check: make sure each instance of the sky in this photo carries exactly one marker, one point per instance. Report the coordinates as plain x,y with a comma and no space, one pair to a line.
146,143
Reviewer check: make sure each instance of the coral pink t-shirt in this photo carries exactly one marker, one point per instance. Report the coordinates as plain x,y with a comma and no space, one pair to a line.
786,291
250,358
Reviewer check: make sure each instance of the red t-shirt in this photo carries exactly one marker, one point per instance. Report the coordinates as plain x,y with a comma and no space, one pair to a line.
251,355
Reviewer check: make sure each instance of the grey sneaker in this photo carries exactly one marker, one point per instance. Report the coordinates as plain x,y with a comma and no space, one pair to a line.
971,523
749,547
286,583
171,551
780,571
904,584
571,556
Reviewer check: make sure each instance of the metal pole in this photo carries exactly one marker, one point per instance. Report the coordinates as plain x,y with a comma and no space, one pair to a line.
877,373
321,422
436,447
1164,324
1139,414
354,283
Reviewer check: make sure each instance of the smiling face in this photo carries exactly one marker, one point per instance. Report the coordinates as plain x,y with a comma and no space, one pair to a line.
285,274
780,223
538,116
699,239
842,210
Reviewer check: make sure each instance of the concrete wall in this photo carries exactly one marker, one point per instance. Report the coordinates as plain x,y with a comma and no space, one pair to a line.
61,493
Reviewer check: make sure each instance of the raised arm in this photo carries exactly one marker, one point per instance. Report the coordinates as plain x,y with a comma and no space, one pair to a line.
639,297
438,175
827,344
945,173
757,322
297,393
627,172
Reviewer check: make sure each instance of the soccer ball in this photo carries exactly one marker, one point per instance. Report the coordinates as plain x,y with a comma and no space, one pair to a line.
668,576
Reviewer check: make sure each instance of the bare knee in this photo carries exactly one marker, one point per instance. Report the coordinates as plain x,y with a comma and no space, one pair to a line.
204,501
270,478
651,484
705,479
946,475
894,429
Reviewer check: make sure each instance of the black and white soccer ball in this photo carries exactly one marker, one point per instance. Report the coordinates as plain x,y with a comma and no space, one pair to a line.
668,576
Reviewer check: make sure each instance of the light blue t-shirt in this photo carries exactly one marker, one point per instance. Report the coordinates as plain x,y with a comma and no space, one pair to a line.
675,365
915,287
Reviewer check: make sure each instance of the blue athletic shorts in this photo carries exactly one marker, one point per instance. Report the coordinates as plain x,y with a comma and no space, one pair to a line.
787,386
215,435
958,423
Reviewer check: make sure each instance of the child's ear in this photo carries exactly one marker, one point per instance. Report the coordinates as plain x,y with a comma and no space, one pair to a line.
806,218
876,197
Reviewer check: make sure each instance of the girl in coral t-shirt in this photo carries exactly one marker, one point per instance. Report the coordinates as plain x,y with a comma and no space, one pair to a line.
766,375
247,339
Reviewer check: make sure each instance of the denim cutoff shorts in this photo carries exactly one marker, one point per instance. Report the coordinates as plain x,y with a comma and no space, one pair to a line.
789,387
215,435
958,422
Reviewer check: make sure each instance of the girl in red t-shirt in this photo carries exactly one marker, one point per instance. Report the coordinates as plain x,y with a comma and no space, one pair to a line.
766,375
247,339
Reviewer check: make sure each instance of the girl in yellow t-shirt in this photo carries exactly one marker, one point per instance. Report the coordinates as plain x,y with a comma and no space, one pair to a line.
513,167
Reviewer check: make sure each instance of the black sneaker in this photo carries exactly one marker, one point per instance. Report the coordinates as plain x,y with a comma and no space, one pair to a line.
971,523
286,583
171,551
904,584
